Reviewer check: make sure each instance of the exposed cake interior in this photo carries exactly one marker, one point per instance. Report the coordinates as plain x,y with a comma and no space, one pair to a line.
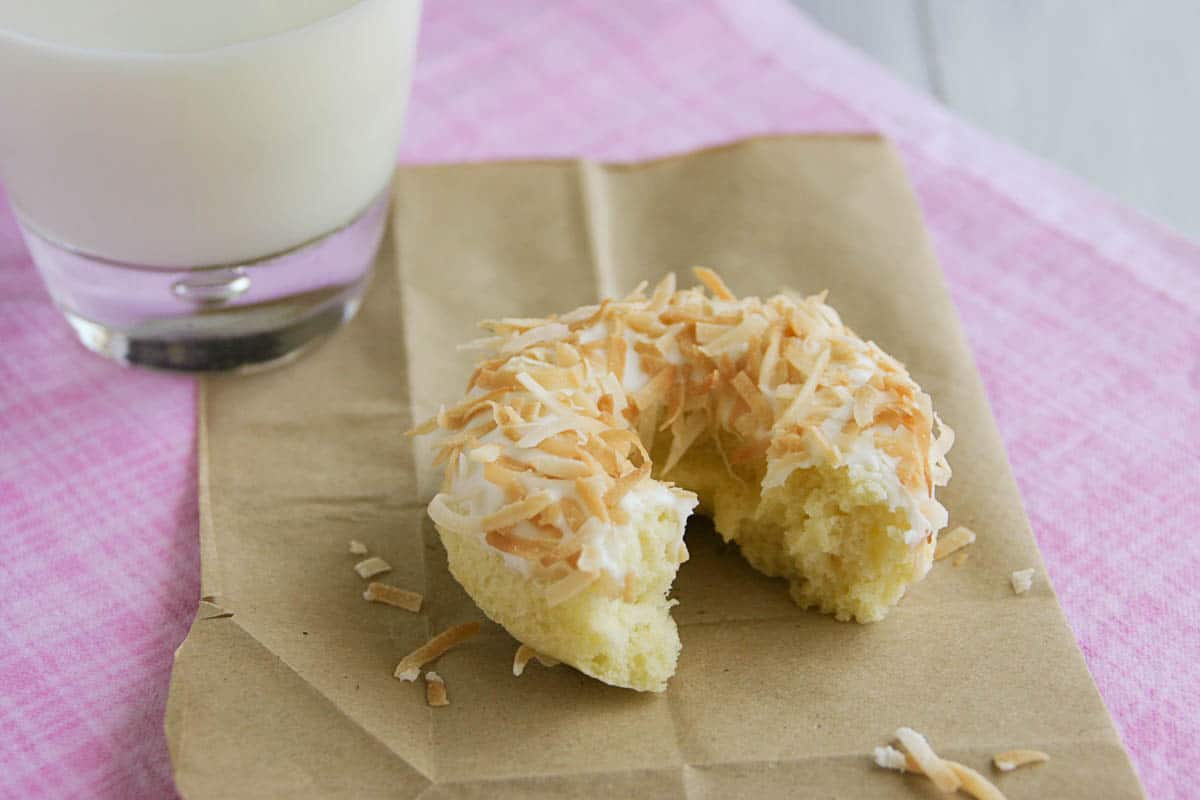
829,531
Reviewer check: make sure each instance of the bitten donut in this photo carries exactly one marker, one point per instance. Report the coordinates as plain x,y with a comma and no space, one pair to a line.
586,440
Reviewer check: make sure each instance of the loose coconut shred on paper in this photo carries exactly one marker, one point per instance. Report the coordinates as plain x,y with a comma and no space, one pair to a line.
948,776
1011,759
435,690
393,596
410,666
370,567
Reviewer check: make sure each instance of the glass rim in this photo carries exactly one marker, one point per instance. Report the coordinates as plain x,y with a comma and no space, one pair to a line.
172,55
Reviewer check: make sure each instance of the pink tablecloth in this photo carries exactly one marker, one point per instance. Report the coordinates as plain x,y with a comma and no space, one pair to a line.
1084,319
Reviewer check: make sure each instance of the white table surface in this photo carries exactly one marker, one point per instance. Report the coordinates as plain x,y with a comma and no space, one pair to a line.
1108,90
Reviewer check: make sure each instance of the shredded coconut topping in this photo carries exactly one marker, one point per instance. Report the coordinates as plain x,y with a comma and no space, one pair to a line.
553,436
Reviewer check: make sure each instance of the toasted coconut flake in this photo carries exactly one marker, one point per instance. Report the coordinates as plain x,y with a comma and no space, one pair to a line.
428,426
933,766
574,513
565,354
960,559
484,453
970,781
543,333
714,283
973,783
663,292
602,455
684,433
370,567
485,343
578,421
1011,759
654,392
593,499
798,406
952,542
506,541
707,332
410,666
557,467
435,690
525,654
563,445
441,513
516,512
645,322
393,596
739,336
625,484
770,360
616,354
1022,580
505,477
579,315
753,397
357,548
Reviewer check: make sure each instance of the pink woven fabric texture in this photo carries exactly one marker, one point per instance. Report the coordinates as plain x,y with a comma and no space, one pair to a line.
1084,320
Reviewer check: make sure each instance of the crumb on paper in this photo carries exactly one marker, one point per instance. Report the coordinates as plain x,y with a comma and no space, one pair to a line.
953,541
410,666
435,690
525,654
370,567
1011,759
393,596
357,548
1022,580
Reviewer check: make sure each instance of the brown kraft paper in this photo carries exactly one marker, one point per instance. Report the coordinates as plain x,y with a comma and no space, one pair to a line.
284,686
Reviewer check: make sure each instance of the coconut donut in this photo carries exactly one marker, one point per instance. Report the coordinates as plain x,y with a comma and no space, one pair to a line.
585,440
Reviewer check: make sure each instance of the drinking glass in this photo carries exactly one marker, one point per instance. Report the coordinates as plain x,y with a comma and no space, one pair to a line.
203,184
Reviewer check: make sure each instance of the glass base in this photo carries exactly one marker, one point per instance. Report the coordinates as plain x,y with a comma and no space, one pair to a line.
264,345
242,317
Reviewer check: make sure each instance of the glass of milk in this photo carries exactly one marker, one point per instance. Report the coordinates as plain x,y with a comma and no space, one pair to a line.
203,184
